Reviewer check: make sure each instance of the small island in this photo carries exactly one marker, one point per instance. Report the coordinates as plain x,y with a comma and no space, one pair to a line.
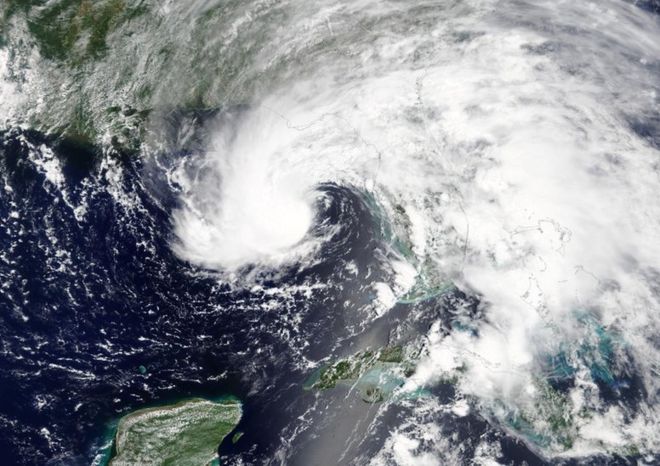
187,433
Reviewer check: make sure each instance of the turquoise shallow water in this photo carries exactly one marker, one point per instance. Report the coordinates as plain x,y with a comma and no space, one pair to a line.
210,197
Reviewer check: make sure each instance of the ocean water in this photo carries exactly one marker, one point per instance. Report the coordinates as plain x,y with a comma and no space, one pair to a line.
212,198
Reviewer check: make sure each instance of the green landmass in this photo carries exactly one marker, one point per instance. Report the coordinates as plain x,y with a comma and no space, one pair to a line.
111,67
73,30
344,369
391,354
376,374
549,422
183,434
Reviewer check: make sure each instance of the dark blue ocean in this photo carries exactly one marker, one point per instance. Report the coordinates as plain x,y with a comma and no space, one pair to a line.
98,317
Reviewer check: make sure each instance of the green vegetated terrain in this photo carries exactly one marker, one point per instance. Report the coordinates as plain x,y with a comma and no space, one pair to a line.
375,374
104,71
73,30
183,434
71,41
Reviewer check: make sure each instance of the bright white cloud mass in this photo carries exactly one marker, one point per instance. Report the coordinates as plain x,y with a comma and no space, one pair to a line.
515,146
509,145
